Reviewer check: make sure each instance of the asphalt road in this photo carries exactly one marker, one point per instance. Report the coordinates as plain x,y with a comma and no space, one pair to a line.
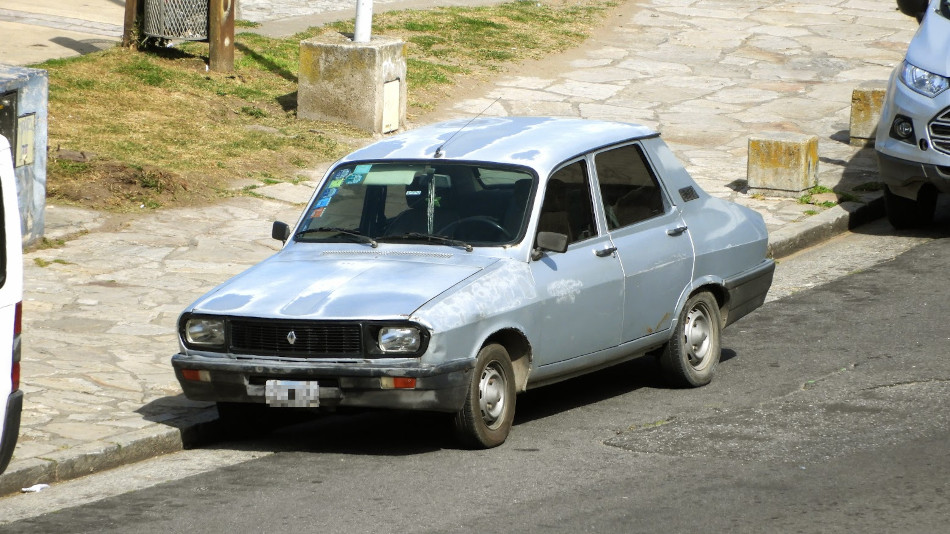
828,414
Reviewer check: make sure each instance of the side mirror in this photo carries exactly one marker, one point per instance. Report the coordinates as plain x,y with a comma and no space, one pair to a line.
549,241
280,231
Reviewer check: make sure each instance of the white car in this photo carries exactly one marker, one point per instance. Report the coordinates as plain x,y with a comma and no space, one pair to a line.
11,296
913,137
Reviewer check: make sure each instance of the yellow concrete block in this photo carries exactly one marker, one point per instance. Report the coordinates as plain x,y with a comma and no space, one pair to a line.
343,81
782,164
866,102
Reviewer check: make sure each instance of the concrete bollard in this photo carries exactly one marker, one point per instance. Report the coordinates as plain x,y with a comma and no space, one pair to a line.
782,164
866,102
361,84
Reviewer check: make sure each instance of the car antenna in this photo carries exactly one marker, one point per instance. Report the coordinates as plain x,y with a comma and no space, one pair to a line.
439,152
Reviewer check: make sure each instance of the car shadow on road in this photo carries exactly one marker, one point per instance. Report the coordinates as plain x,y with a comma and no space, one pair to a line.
404,433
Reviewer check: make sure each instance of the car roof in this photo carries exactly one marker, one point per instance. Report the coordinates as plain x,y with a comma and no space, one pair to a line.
537,142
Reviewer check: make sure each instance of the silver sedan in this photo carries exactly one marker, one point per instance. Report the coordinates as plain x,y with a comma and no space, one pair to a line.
450,267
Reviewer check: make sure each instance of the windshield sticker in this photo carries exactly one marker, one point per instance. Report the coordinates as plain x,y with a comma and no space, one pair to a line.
337,183
358,175
317,213
339,174
323,201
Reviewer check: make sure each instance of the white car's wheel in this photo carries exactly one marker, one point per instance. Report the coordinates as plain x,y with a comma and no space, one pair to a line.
691,356
906,213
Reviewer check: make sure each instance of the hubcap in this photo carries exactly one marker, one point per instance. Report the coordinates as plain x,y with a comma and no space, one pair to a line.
491,394
696,333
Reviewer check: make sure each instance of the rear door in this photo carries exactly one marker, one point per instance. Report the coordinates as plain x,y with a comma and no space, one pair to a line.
11,293
652,240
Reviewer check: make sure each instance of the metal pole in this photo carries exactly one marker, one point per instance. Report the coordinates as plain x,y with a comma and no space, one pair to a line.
364,21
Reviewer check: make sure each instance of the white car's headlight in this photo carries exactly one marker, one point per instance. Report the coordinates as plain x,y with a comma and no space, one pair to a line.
399,339
923,82
204,331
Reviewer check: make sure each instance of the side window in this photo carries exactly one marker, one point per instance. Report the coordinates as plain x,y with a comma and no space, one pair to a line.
567,207
628,187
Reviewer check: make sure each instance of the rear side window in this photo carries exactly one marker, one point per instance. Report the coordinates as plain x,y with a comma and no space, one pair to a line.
628,187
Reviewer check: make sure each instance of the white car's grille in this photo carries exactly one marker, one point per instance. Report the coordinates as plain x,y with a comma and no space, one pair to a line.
940,131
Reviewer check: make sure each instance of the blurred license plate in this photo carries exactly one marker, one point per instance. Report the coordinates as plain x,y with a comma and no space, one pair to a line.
292,394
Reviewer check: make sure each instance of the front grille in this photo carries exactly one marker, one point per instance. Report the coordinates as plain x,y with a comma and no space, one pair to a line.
940,132
311,339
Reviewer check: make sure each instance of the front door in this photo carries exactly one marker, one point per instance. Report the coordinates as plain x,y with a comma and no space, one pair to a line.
581,290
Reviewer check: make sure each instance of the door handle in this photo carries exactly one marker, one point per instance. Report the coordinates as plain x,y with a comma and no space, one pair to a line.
605,252
676,231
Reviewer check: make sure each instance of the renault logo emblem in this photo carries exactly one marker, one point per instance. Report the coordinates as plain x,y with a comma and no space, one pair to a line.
291,337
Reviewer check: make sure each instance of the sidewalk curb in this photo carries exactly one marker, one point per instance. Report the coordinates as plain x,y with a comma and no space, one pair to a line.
195,429
823,226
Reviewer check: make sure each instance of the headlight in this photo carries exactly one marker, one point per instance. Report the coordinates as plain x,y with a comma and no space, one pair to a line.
399,339
204,331
923,82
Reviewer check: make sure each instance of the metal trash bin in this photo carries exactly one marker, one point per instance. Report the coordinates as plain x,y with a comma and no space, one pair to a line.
177,19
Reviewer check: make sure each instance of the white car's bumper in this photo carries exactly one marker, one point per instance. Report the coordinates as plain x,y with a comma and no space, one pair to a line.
907,162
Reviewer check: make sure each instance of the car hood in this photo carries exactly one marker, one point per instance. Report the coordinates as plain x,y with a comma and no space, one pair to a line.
928,48
332,285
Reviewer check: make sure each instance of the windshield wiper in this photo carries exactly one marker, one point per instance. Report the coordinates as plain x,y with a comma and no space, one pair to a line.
429,237
352,233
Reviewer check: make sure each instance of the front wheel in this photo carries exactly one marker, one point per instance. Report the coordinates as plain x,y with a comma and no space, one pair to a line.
485,419
691,356
904,213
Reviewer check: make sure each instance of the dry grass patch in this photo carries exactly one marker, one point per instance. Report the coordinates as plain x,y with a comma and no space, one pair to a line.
155,128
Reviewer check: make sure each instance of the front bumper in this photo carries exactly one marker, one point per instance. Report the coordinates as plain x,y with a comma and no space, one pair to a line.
906,165
440,388
905,177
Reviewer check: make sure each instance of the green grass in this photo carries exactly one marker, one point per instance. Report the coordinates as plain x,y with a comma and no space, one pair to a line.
164,130
870,186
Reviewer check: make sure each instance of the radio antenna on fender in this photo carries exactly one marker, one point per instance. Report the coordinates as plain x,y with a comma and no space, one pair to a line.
439,152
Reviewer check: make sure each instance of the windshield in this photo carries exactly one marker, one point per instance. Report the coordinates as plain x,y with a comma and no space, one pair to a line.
476,205
945,8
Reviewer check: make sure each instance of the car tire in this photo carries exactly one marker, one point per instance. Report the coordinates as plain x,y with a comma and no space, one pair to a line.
485,419
691,356
904,213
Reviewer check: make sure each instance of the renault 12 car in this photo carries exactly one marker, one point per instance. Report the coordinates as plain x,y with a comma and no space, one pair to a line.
913,136
451,267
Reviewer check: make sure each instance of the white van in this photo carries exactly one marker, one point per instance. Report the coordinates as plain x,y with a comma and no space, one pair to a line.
11,297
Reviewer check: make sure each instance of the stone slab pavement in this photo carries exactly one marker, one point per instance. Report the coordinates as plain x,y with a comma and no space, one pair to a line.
100,310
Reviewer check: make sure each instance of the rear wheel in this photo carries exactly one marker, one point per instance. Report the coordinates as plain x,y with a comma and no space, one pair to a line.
691,356
907,213
485,419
